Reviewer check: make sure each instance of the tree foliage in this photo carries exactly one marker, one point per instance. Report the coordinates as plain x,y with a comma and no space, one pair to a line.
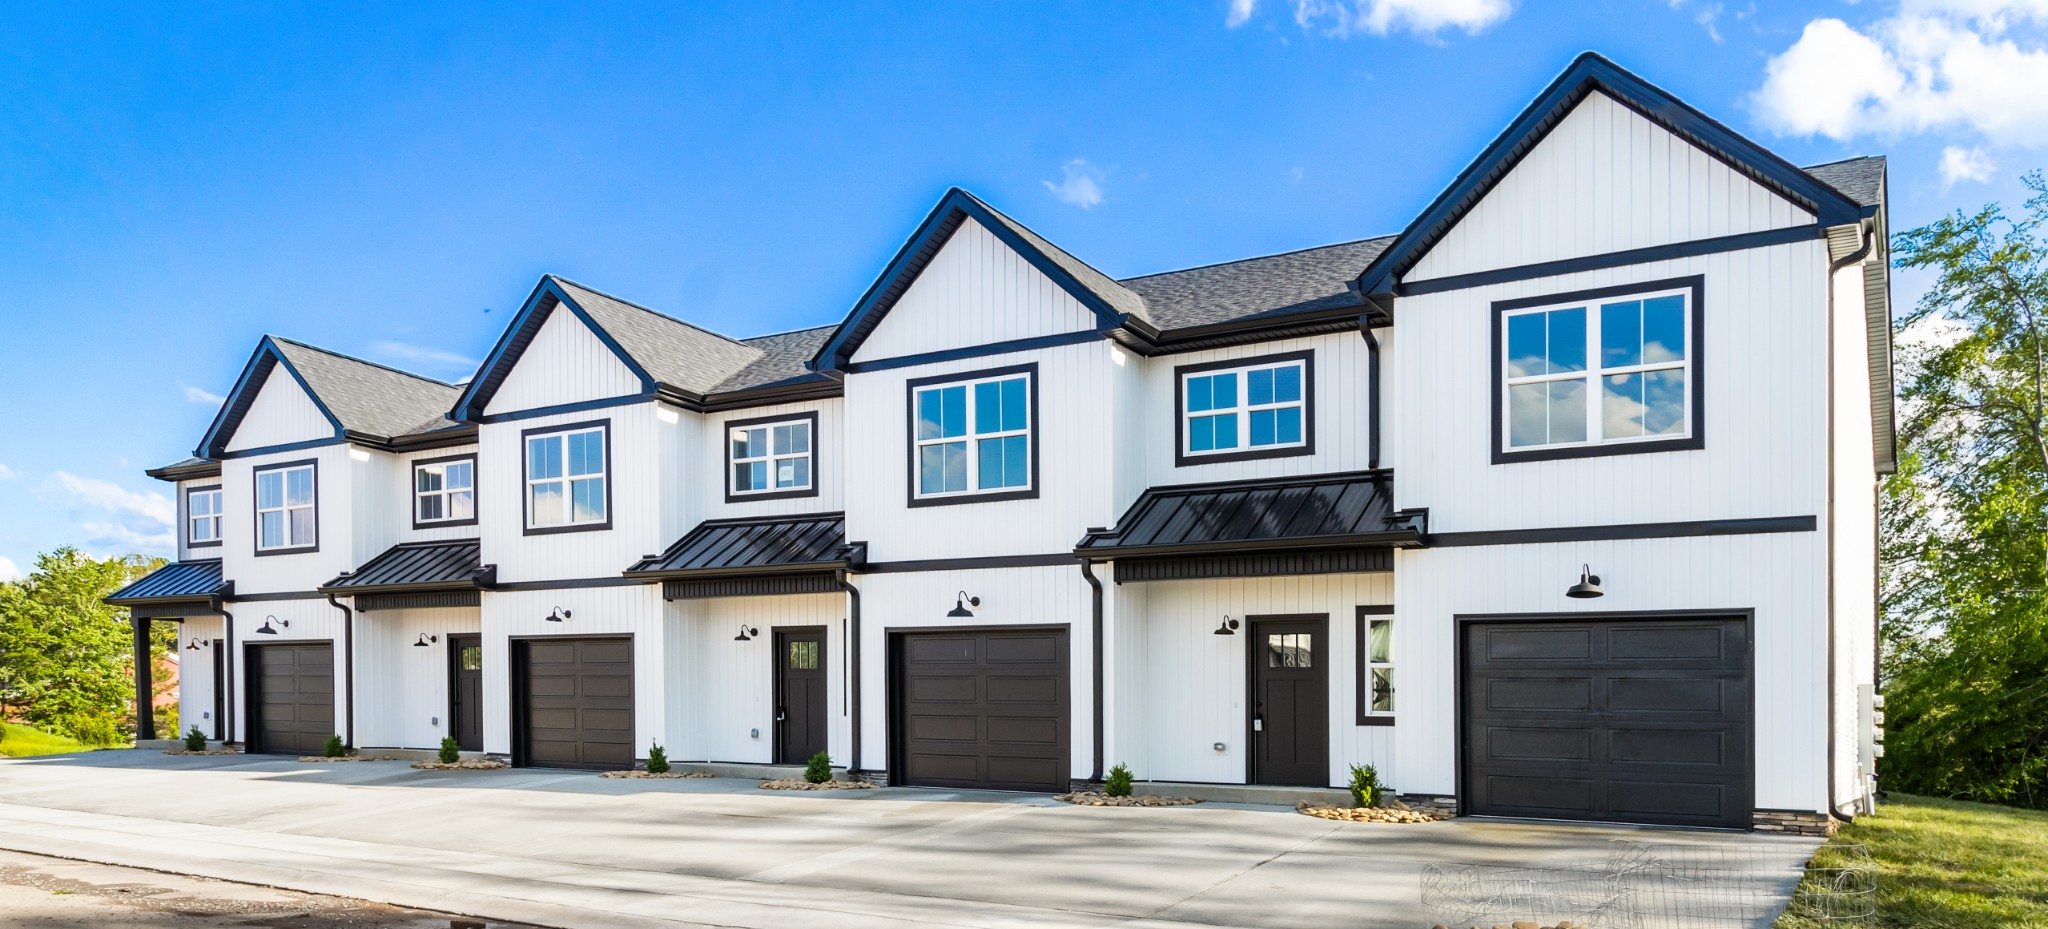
1965,519
66,657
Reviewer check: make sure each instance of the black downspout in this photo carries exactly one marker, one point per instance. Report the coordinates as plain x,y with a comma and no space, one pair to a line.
852,669
1372,409
348,666
228,699
1095,661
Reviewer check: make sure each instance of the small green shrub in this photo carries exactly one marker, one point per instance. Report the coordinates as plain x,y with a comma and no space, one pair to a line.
195,741
1366,789
450,752
334,747
1118,783
819,769
657,759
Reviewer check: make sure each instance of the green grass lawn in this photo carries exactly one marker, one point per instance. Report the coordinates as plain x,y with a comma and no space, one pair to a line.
22,741
1946,864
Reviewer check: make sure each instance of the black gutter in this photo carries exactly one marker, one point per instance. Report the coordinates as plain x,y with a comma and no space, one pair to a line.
811,567
1403,538
348,651
852,669
208,468
1095,660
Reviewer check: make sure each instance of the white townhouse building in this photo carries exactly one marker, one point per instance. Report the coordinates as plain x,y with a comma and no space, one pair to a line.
1558,503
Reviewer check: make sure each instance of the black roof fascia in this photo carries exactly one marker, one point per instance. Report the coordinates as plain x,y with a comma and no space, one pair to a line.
262,362
1402,538
1251,329
547,296
1590,72
185,472
954,208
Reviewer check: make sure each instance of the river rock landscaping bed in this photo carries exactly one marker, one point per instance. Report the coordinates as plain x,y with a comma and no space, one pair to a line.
796,784
1097,798
1371,814
472,765
647,775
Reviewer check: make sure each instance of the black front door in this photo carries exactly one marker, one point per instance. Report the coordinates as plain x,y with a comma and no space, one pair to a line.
466,691
799,694
1290,701
220,692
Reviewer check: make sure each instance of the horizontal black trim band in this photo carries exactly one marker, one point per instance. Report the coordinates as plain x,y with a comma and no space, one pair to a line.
569,583
975,351
1377,609
967,564
280,595
288,447
1375,720
1692,249
541,411
1682,530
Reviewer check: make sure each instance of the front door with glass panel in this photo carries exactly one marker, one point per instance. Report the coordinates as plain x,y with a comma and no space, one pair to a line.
466,696
800,714
1290,701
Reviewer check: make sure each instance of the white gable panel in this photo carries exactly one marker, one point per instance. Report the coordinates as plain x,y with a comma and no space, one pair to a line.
565,363
975,291
1604,180
282,413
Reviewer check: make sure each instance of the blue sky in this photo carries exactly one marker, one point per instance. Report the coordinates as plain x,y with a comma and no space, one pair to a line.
390,180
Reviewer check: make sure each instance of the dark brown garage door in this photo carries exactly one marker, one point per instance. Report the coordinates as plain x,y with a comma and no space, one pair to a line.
982,709
1642,721
292,696
577,702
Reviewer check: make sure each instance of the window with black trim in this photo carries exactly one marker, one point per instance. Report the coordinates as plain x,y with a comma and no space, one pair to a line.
202,517
1375,666
972,436
771,457
287,508
1602,372
1244,408
567,477
444,491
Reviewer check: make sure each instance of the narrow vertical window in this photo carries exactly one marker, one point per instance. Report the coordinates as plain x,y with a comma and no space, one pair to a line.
566,478
202,516
444,491
972,435
285,508
1379,657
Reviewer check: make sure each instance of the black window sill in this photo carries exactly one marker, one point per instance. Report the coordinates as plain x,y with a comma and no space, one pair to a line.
1375,720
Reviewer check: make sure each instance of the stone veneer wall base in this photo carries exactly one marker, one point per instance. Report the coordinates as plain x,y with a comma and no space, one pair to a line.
1794,822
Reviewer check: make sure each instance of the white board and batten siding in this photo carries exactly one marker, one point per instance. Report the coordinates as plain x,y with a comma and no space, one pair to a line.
1179,688
1604,180
403,700
181,506
282,414
565,363
1852,525
1339,401
335,506
195,675
398,506
632,610
975,291
294,620
638,498
706,472
724,710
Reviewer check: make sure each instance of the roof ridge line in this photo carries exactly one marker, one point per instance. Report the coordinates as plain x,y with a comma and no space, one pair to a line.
361,361
1842,161
770,335
1296,251
650,310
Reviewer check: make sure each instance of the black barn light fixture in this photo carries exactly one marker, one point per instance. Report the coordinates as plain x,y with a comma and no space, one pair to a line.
1588,586
193,647
558,615
1227,627
960,606
426,640
746,634
267,620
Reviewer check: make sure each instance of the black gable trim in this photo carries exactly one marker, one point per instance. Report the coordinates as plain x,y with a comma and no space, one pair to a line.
266,359
547,296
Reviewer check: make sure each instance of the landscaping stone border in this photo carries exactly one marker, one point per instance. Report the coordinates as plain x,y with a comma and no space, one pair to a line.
311,759
798,784
1098,798
652,776
210,751
471,765
1370,814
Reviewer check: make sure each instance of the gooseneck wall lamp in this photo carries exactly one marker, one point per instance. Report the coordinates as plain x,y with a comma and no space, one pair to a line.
960,606
426,640
558,615
193,647
1227,627
1588,586
746,634
267,620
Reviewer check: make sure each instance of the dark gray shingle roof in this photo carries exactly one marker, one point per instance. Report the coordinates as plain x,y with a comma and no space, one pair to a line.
1860,179
672,351
781,360
370,398
1290,282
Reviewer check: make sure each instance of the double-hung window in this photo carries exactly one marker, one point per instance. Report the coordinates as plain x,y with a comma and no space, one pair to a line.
1603,372
1375,667
566,478
771,458
1242,409
444,491
286,508
971,435
202,517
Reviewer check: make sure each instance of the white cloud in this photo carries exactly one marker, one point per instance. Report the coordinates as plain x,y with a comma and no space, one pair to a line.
421,354
1240,11
1933,331
6,473
1965,164
9,571
117,539
113,516
1344,18
1954,66
1081,184
201,397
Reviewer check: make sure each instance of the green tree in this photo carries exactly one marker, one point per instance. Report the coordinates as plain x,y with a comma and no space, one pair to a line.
66,657
1965,520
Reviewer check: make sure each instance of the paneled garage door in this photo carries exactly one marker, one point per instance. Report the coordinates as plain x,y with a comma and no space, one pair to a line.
577,697
292,695
1642,721
981,708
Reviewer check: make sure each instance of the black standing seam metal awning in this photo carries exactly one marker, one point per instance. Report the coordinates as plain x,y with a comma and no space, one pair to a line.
812,542
180,583
1270,515
419,567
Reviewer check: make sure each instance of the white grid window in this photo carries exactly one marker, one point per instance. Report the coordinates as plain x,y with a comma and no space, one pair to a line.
771,457
444,491
202,516
1252,408
974,436
285,508
1379,667
1598,372
565,478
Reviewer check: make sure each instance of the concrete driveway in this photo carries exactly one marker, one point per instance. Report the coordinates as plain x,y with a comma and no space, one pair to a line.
571,849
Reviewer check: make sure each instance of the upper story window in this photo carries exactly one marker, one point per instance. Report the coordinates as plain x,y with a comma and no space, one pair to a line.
566,480
972,436
1598,373
202,517
1244,408
287,499
771,458
444,491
